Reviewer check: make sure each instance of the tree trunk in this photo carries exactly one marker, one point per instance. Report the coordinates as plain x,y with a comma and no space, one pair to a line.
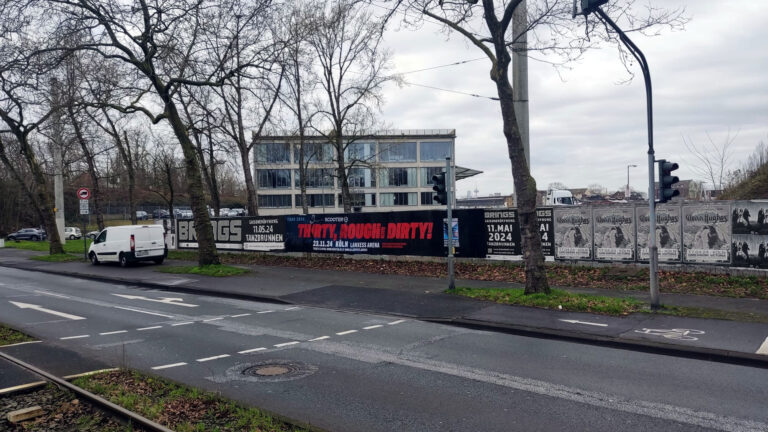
302,171
525,185
207,253
253,207
215,197
343,181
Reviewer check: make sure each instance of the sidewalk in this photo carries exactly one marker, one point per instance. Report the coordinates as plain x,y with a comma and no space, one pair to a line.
423,298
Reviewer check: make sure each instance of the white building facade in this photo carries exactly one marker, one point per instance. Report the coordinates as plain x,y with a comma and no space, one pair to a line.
390,171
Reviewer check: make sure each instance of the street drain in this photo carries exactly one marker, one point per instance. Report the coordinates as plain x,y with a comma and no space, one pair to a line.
272,371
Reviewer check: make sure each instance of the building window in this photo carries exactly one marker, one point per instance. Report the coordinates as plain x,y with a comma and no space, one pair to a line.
274,201
361,178
274,178
360,151
316,178
427,173
315,152
398,199
398,177
317,200
360,199
427,199
398,152
434,150
272,153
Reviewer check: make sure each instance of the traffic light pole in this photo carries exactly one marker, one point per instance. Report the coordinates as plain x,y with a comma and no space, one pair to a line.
652,247
449,216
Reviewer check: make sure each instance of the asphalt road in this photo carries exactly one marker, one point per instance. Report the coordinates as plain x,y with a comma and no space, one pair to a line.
346,371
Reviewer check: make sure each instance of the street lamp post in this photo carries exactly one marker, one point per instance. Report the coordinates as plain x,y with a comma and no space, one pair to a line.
626,195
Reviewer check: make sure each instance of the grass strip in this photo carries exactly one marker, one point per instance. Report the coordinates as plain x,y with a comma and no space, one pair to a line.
217,270
178,407
71,247
10,336
57,258
557,299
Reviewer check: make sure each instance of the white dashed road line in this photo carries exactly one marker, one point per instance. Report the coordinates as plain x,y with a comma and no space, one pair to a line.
182,323
213,319
51,294
149,328
144,312
113,332
292,308
213,358
280,345
346,332
251,350
169,366
263,312
763,348
396,322
239,315
372,327
75,337
319,338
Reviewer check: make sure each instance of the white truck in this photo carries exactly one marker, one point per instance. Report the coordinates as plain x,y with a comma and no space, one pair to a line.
558,197
128,244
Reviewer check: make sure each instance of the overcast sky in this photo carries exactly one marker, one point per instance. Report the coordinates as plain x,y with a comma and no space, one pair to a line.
586,126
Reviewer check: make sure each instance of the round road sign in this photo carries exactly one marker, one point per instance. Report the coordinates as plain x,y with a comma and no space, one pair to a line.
83,193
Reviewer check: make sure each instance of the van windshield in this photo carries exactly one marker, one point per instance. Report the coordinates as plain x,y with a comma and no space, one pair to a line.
566,200
102,237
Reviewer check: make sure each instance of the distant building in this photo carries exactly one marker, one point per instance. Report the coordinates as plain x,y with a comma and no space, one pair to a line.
689,190
493,201
393,172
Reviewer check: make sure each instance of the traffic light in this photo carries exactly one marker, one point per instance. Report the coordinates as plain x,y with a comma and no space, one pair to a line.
589,6
441,194
666,180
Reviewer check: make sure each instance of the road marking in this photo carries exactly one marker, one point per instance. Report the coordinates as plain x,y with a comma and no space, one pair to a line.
280,345
169,366
346,332
372,327
292,308
51,294
178,301
763,348
213,319
584,322
75,337
149,328
240,315
48,311
182,323
113,332
269,311
213,358
319,338
20,343
144,312
396,322
251,350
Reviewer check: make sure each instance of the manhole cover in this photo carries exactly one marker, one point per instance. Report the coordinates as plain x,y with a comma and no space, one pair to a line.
271,371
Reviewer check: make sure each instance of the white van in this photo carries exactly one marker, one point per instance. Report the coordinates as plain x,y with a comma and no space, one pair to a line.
128,244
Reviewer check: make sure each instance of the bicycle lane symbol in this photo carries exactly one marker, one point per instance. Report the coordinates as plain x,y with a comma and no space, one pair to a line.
675,334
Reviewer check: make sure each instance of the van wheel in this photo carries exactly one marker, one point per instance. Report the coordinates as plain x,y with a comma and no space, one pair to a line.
71,237
94,259
35,238
123,260
159,261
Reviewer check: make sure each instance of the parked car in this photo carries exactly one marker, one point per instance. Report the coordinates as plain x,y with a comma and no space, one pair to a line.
92,234
160,214
33,234
72,233
238,212
224,212
128,244
142,215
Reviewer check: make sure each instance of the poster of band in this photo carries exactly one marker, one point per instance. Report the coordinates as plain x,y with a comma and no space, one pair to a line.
573,233
545,219
264,233
750,234
668,233
502,232
395,233
707,234
614,229
227,232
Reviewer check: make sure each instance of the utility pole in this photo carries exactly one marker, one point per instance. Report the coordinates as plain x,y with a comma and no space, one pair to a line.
520,77
449,216
626,195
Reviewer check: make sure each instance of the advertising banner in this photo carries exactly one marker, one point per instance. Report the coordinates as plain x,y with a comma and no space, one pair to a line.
750,234
545,218
707,233
502,232
264,233
227,232
669,233
394,233
573,233
614,228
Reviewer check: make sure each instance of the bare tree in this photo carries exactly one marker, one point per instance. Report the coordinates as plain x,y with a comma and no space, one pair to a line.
712,159
487,25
